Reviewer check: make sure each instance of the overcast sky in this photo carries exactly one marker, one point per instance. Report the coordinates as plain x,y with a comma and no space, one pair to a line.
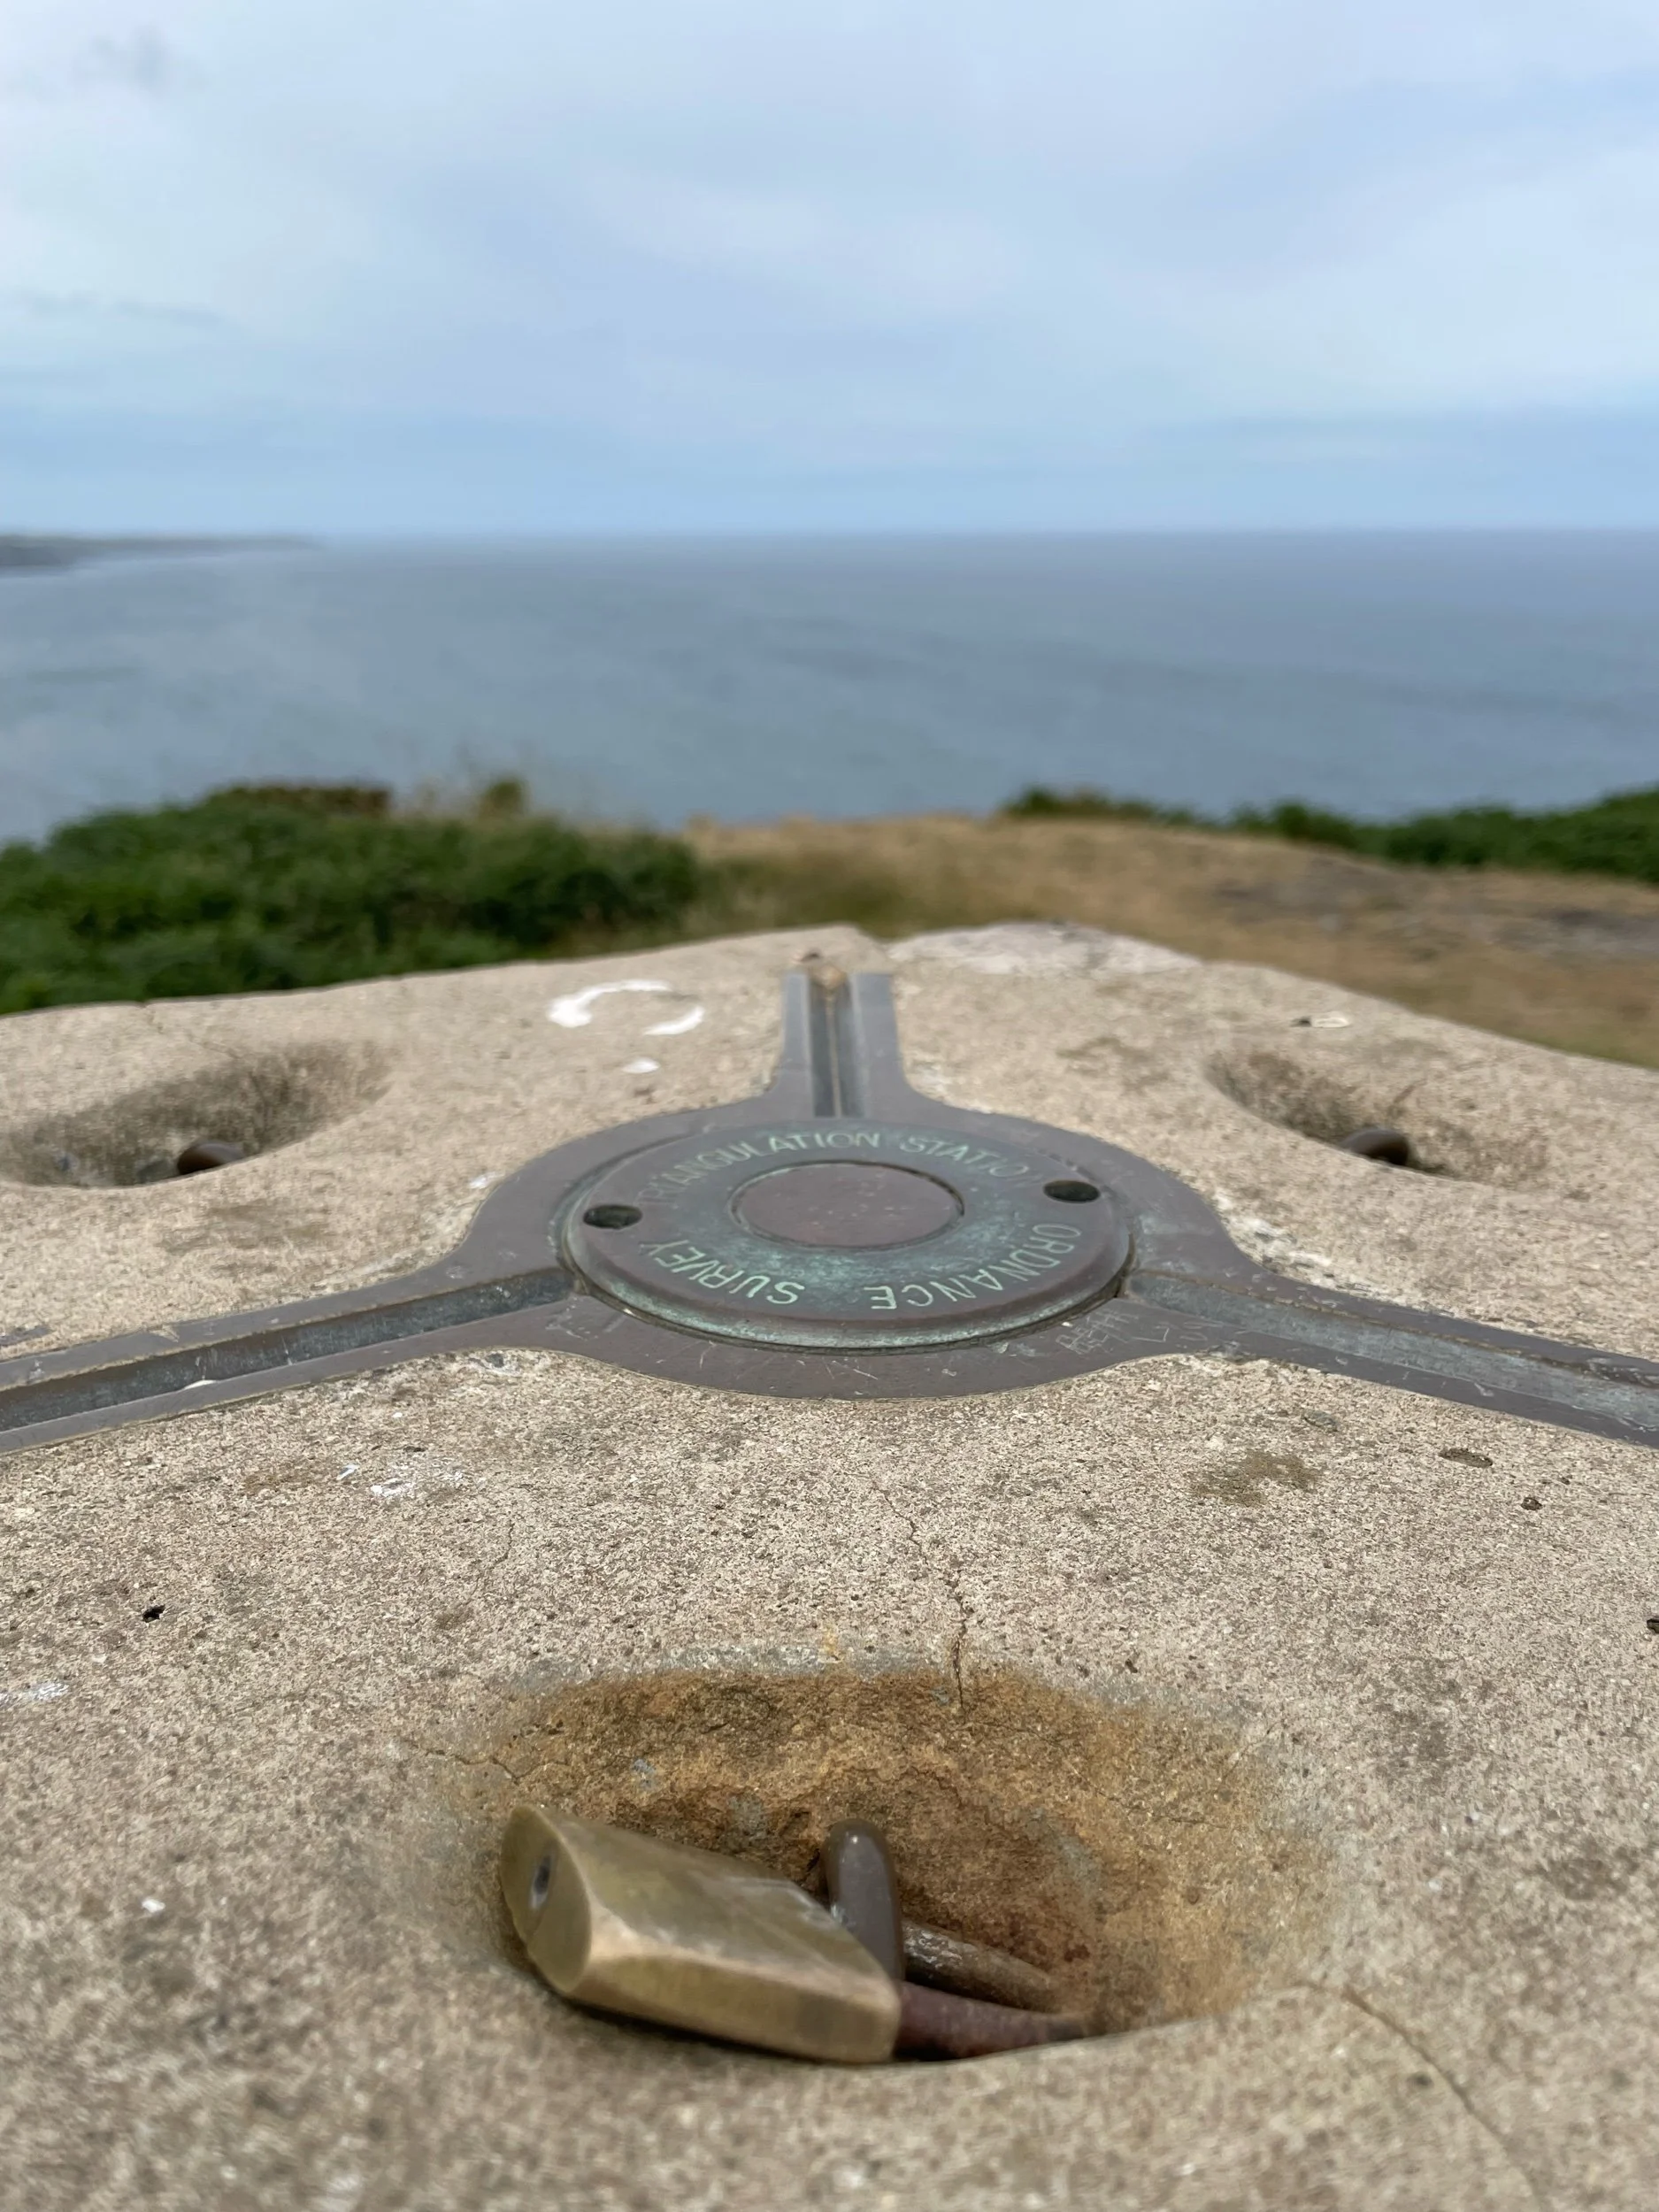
532,264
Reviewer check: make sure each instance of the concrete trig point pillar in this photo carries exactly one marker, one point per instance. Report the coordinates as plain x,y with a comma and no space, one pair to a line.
1222,1563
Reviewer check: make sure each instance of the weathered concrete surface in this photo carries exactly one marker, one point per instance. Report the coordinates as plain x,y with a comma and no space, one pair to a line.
251,1955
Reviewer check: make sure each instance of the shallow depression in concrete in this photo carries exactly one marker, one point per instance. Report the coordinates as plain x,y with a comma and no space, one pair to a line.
258,1101
1328,1102
1138,1853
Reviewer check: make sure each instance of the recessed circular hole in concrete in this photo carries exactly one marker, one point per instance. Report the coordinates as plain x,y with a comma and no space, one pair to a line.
1368,1101
1381,1142
254,1103
1137,1854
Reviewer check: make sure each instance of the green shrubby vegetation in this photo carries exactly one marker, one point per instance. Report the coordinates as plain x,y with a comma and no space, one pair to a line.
1617,836
273,888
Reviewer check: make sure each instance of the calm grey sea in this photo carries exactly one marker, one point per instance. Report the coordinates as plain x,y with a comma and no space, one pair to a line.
652,681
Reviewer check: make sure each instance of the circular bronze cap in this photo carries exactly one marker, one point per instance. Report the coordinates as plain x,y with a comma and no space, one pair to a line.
847,1235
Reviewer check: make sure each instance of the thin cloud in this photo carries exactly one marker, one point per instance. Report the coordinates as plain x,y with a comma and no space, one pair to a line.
95,307
138,60
916,243
143,61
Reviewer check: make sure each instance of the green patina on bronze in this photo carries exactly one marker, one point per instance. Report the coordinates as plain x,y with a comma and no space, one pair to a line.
980,1235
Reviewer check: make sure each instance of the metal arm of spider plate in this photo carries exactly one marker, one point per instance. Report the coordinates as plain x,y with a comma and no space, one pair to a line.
840,1235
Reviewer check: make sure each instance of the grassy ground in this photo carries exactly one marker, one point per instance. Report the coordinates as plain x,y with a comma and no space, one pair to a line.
1565,960
1615,836
278,888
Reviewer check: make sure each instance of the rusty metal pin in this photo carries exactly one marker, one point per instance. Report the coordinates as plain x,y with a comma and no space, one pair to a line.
864,1892
691,1939
975,1970
932,2024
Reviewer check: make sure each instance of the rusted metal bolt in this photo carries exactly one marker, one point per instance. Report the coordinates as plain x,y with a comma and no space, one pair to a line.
1376,1141
1010,2007
208,1152
935,2025
975,1970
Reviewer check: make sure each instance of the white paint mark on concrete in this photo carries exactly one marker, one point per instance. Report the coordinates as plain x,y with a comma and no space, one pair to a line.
642,1067
577,1010
37,1693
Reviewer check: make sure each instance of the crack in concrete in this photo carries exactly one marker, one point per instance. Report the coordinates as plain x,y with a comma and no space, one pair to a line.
460,1758
1374,2011
953,1591
959,1641
487,1570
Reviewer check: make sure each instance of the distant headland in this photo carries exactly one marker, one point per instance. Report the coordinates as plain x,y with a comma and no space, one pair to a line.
28,550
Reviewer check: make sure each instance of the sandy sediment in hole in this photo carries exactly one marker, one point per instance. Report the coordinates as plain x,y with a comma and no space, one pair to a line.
1135,1852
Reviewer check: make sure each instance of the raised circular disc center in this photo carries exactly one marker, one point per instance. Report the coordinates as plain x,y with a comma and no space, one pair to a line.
848,1204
